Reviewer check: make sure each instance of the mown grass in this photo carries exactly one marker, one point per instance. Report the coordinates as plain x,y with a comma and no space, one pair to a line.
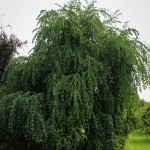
137,140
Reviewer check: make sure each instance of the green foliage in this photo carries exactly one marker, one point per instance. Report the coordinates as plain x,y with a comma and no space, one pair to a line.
87,71
22,114
8,47
145,116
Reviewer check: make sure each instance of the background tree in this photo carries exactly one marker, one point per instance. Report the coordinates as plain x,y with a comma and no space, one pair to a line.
78,88
8,48
145,116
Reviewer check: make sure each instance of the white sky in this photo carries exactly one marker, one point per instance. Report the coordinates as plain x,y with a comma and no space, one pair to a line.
22,14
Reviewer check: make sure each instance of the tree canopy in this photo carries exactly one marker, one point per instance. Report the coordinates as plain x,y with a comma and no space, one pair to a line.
78,88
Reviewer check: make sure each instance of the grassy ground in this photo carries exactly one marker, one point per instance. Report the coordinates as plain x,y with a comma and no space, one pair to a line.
138,141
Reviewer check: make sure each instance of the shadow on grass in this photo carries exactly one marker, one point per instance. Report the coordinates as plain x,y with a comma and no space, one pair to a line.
141,141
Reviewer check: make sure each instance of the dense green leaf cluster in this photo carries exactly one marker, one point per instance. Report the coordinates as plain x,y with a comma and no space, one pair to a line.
22,115
79,86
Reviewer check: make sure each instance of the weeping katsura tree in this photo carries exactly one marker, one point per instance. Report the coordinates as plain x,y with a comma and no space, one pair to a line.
78,88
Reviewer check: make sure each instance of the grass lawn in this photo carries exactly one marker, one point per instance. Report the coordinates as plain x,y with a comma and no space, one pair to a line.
137,140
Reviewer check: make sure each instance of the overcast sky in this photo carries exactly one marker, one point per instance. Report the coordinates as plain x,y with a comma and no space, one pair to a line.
22,14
